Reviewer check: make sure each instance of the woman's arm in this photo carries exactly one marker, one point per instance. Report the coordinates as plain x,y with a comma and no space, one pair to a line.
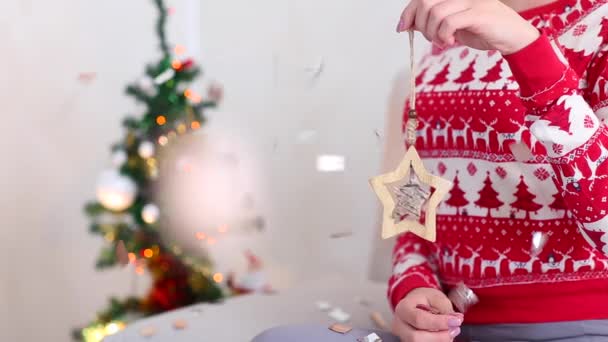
413,266
564,121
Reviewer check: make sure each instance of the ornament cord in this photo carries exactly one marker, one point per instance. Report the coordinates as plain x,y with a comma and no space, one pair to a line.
412,122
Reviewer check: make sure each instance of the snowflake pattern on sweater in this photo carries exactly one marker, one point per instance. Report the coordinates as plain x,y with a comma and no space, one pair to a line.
473,107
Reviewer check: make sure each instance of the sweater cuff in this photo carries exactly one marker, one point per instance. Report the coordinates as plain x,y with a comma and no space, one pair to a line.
399,288
540,73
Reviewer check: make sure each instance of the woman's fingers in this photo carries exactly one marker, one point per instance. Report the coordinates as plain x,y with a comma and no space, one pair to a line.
422,15
408,333
423,320
407,16
452,23
439,12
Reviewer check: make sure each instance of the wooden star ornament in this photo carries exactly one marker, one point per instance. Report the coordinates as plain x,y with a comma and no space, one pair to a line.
404,197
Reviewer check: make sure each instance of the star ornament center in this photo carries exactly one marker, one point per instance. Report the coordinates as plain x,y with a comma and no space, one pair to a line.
393,202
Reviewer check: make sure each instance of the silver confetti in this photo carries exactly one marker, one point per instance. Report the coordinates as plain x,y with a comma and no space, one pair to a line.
539,240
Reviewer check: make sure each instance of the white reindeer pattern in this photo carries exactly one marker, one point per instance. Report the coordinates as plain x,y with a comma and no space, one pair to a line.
502,137
456,133
469,261
525,265
449,257
589,261
439,131
495,264
421,133
483,135
593,165
557,265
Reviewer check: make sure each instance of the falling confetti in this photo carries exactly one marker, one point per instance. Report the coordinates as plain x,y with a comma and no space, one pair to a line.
373,337
180,324
340,235
306,136
330,163
339,315
323,305
340,328
147,331
87,77
521,152
539,240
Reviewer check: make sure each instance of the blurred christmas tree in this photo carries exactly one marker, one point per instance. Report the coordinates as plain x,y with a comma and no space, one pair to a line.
125,213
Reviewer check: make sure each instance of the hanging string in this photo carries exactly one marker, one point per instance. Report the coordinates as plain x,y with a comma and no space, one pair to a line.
412,122
412,72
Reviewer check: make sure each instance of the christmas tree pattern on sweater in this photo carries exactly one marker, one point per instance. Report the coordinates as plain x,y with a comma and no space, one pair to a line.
473,106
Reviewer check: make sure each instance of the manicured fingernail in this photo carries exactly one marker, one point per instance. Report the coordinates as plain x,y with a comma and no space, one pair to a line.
454,332
400,25
454,322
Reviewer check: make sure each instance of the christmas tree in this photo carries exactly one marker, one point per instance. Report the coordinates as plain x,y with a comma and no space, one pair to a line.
441,77
125,213
493,74
524,199
577,60
420,77
467,74
558,203
457,198
488,197
559,117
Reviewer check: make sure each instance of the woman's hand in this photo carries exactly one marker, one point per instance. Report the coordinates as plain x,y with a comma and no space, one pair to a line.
413,325
480,24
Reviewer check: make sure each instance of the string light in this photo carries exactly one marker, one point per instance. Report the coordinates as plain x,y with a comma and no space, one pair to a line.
110,236
148,253
218,277
201,236
139,270
179,50
161,120
177,250
162,140
132,257
192,96
176,64
181,128
195,125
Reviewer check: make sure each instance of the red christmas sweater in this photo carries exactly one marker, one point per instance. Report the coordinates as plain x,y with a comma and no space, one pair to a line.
473,106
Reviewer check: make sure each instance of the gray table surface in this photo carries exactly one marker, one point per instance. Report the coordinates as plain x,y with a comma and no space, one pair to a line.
240,319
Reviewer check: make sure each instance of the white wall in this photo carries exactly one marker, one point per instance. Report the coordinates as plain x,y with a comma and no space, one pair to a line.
57,131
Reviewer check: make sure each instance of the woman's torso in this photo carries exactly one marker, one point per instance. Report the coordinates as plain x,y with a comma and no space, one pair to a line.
470,117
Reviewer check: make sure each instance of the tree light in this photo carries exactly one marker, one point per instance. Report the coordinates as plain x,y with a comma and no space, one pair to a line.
218,277
148,253
195,125
161,120
176,64
179,50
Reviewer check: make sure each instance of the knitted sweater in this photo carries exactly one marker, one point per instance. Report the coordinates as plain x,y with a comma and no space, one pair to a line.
474,106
